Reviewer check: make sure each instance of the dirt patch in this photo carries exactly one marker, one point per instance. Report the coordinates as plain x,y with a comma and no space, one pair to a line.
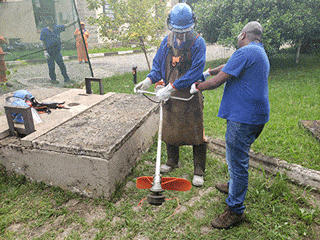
312,127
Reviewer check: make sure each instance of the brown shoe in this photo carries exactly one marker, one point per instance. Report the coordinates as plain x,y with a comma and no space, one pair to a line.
222,187
227,219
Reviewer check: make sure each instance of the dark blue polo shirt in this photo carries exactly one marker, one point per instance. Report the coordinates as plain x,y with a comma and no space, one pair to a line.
245,98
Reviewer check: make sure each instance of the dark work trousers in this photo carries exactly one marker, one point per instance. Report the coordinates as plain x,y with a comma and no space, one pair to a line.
199,157
55,56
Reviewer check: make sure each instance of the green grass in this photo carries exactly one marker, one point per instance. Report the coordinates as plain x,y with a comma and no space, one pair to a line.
276,208
294,94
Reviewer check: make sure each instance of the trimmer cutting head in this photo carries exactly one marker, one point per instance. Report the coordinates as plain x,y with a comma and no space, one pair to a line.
167,183
155,198
157,184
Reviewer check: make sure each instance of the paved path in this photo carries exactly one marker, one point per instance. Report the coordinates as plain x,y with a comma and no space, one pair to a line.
105,67
36,75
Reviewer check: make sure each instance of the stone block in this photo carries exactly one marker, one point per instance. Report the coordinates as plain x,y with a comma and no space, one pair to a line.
92,151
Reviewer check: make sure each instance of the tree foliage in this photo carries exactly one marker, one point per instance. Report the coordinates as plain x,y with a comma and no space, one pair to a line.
284,21
130,21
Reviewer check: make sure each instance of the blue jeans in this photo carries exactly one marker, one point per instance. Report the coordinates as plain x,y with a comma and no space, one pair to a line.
55,56
239,138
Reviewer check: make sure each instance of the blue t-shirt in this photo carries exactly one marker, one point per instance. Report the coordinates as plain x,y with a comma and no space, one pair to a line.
245,98
52,38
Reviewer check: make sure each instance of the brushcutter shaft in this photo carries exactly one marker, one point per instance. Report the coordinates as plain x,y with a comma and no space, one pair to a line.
159,139
157,178
177,98
173,184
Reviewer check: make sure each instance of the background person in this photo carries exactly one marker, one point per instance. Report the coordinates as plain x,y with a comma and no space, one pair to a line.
81,49
245,106
3,67
50,37
180,61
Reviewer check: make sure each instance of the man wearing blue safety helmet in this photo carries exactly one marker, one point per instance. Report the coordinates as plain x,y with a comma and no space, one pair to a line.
179,62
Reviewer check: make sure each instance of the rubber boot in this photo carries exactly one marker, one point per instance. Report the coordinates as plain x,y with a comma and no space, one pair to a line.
199,158
173,155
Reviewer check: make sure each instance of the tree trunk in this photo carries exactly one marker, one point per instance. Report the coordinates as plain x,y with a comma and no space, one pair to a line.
145,51
298,52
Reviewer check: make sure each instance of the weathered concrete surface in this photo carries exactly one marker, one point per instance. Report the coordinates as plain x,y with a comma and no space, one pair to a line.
298,174
91,152
76,102
39,93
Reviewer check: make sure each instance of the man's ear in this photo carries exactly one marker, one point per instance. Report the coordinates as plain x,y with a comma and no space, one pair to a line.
243,35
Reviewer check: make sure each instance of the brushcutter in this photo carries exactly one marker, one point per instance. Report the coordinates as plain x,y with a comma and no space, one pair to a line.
158,184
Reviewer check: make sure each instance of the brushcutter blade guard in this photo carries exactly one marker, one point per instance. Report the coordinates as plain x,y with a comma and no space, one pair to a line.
167,183
175,184
144,182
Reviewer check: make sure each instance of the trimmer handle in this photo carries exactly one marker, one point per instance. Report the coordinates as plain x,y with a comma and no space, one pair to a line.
177,98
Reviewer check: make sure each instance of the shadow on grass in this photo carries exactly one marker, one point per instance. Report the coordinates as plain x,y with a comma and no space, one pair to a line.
286,60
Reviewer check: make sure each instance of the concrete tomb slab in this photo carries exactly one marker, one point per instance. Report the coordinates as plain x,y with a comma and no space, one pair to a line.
89,148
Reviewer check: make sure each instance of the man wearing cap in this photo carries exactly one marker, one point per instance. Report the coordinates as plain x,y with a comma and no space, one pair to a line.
245,106
50,37
179,62
81,49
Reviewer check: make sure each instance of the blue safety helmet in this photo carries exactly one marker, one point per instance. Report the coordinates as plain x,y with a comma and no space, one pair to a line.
181,18
23,94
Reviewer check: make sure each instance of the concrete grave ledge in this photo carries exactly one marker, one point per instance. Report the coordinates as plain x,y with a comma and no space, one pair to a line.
298,174
85,149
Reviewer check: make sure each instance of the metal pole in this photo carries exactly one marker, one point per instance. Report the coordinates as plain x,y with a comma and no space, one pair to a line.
134,72
84,43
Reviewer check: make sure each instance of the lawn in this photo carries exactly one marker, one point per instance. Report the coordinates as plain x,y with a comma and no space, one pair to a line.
294,93
276,208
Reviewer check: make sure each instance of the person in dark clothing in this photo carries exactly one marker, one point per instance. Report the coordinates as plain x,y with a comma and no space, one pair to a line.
179,62
50,37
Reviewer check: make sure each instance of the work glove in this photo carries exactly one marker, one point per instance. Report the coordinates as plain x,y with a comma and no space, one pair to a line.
159,85
165,93
194,89
46,55
207,73
144,85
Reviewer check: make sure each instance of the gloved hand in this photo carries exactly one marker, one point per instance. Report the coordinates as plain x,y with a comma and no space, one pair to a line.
194,89
159,85
165,93
46,55
144,85
207,73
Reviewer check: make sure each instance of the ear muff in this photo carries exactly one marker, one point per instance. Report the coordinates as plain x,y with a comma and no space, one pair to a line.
168,22
195,18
